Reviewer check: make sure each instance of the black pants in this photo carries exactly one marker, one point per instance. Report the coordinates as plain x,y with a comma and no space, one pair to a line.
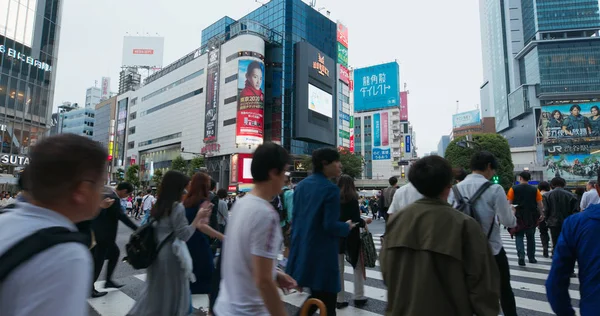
507,297
544,237
103,251
554,233
329,299
215,285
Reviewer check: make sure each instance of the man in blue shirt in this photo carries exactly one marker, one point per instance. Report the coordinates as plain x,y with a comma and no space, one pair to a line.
578,242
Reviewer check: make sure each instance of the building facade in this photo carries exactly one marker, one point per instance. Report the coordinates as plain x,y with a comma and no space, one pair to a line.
93,96
79,121
540,63
29,36
105,130
442,145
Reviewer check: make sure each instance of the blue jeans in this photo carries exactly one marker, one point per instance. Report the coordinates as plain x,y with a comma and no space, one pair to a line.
146,217
530,234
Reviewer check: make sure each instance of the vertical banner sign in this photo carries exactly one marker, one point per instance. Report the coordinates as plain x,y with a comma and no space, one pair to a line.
377,129
385,139
344,75
105,88
276,115
407,143
342,34
212,97
351,142
251,101
342,55
404,106
234,169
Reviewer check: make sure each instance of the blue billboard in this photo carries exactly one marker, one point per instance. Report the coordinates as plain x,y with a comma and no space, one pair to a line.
377,129
466,119
407,143
377,87
382,153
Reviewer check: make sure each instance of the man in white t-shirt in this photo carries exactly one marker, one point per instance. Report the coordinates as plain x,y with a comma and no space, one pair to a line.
147,202
406,195
253,242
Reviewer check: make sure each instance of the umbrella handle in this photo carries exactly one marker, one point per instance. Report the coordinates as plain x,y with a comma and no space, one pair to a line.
310,302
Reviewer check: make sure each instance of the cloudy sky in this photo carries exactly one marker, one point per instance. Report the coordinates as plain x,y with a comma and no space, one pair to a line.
436,42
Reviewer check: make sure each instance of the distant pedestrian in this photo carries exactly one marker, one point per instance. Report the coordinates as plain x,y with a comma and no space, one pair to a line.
559,204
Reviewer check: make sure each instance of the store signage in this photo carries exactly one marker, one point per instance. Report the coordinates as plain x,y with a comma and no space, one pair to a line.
16,160
234,169
232,188
344,75
211,148
299,166
24,58
319,65
143,51
342,55
407,140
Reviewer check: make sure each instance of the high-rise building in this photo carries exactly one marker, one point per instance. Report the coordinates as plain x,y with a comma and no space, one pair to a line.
442,145
129,80
105,129
541,74
29,37
73,119
93,96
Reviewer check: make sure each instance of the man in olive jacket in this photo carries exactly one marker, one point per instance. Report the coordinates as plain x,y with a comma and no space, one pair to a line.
436,260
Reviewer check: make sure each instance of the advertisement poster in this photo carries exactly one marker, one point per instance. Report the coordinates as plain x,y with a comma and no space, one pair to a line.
376,129
569,121
382,153
575,161
244,168
212,97
343,134
251,101
342,55
376,87
344,75
352,142
320,101
276,114
469,118
404,106
143,51
385,138
342,34
407,145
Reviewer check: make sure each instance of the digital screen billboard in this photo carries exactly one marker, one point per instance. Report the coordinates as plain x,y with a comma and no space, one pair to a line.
320,101
575,160
143,51
251,101
469,118
571,121
376,87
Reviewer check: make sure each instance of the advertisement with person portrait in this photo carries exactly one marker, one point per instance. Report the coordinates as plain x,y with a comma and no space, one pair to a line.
575,160
251,101
569,121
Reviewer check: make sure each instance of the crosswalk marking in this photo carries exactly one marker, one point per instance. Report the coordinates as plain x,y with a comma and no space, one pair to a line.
117,303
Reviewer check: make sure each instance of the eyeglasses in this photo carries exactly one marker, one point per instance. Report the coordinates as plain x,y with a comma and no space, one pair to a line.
185,191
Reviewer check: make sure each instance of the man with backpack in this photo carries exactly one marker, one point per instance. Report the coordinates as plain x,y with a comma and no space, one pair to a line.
387,196
483,201
45,266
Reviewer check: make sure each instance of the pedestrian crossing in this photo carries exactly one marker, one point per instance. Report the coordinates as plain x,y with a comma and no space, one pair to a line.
527,282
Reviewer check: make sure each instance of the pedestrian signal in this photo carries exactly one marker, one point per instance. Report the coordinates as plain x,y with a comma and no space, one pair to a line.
496,180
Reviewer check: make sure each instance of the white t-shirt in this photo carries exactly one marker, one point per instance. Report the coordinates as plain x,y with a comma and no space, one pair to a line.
406,195
253,230
147,202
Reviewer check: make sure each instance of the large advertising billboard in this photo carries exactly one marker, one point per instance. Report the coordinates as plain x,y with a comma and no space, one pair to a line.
342,34
212,97
251,102
376,87
320,101
143,51
381,149
463,119
569,121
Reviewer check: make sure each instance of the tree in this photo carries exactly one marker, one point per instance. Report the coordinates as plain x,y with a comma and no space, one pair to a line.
352,163
460,155
179,164
133,176
157,178
195,164
120,175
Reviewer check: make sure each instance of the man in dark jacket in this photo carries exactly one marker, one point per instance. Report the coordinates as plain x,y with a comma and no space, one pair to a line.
105,227
558,205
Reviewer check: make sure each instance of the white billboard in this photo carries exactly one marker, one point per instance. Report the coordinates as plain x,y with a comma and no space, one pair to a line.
144,51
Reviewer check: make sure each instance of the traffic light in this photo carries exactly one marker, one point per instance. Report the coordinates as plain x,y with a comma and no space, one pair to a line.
496,179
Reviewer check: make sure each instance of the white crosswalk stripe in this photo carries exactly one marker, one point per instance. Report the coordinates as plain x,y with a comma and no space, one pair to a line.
527,283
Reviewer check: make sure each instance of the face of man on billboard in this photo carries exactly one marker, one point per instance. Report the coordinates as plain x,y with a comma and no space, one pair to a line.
255,75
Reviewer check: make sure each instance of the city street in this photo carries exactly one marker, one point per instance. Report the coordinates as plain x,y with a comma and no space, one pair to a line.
528,285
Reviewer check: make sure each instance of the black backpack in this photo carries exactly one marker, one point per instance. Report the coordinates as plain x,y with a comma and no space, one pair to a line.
467,205
143,248
34,244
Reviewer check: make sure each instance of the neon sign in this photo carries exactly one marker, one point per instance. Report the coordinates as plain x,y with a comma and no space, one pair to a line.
320,66
24,58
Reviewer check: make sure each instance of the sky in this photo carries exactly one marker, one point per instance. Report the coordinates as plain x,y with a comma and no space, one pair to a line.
436,43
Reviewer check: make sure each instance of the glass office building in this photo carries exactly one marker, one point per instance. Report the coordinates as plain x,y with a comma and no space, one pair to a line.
29,31
294,21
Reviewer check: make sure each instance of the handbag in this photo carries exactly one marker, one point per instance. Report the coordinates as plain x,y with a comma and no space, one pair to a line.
367,248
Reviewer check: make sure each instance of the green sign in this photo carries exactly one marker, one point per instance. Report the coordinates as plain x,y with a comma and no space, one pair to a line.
342,55
345,135
351,121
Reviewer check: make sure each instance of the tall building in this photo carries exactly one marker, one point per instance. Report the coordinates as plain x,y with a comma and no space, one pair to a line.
105,129
93,96
73,119
29,37
540,66
442,145
129,79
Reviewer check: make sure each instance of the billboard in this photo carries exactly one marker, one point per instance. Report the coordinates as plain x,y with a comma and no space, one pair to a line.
143,51
320,101
251,102
404,106
380,153
244,168
342,53
342,34
105,88
469,118
376,87
344,75
575,160
571,121
407,143
212,97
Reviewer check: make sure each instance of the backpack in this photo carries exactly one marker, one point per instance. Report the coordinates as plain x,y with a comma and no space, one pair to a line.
466,205
142,248
34,244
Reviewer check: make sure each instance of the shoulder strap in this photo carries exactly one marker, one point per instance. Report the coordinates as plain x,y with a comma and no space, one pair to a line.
36,243
457,196
480,192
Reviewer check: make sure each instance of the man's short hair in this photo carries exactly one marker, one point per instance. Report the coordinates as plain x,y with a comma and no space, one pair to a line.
321,155
558,182
431,175
525,175
459,174
148,191
393,181
592,182
60,163
21,183
481,160
267,157
213,184
125,186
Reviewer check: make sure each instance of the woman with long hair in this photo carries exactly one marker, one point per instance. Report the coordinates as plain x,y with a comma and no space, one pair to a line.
350,246
199,244
167,289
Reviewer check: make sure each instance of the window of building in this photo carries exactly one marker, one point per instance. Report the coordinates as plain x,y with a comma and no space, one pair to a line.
172,85
132,116
130,145
159,139
230,99
169,103
229,121
134,101
132,130
231,78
